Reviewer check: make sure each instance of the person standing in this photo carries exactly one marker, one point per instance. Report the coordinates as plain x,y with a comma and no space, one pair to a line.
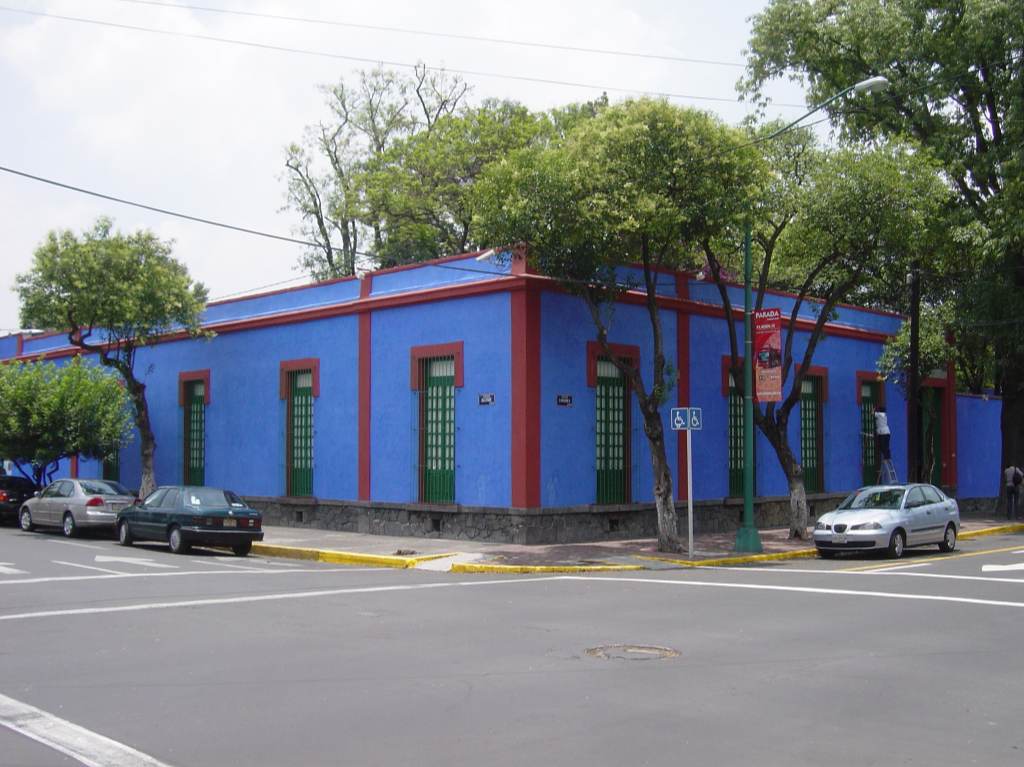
1012,476
882,434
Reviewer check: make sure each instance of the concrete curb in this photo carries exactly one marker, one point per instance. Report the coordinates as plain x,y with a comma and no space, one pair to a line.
338,557
999,530
744,560
473,567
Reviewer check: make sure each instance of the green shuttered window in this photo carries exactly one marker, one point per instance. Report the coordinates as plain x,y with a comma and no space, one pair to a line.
735,439
811,434
300,433
612,448
437,430
195,433
869,392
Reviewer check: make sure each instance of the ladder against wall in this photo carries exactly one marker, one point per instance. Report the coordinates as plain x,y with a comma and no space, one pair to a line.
887,473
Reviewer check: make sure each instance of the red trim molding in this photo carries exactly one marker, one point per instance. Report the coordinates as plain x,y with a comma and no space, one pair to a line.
194,375
418,353
683,372
625,352
526,418
365,383
870,376
74,466
309,363
949,421
19,348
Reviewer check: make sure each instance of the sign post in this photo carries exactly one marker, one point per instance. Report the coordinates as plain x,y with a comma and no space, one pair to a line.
688,419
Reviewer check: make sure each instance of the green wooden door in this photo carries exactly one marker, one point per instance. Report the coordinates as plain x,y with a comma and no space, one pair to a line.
195,433
437,430
811,434
612,445
931,435
299,469
869,393
112,466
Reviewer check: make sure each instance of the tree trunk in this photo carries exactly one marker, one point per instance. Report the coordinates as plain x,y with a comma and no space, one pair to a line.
137,392
668,525
797,505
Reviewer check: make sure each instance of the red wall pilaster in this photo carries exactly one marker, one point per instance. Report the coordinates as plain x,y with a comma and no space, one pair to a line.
683,388
365,381
525,395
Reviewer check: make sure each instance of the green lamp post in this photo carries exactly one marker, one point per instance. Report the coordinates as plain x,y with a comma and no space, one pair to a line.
748,540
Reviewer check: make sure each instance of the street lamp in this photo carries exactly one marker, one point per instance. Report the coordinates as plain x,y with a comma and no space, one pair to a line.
748,540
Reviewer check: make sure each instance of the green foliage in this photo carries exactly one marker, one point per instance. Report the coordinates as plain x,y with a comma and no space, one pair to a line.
127,287
52,412
640,182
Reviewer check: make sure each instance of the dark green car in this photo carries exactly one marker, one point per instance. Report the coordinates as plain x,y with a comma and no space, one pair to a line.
185,515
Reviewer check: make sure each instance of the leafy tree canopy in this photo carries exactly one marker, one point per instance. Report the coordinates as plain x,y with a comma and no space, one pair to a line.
51,413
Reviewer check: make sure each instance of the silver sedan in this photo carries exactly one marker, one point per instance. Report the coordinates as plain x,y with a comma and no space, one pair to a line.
73,504
889,518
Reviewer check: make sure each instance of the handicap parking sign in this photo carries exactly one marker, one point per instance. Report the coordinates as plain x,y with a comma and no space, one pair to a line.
680,418
696,419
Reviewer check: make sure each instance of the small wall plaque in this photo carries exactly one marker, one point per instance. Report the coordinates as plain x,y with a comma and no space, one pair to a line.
563,400
486,399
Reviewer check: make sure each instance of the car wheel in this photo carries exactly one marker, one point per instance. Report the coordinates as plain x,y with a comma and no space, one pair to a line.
124,535
897,543
949,539
69,526
176,541
826,554
242,549
26,521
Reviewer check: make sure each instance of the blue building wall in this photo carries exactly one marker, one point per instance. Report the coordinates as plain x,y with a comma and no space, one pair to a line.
568,441
483,432
245,420
979,448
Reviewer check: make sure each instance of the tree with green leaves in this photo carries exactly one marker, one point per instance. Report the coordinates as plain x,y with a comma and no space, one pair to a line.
955,74
637,184
112,293
51,413
828,227
325,175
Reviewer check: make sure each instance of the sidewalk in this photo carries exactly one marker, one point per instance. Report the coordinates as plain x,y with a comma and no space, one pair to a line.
471,556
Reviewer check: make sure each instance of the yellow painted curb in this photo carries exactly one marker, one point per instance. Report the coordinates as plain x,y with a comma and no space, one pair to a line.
472,567
333,557
429,557
998,530
745,560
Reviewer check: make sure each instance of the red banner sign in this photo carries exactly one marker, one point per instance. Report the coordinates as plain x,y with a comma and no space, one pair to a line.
768,355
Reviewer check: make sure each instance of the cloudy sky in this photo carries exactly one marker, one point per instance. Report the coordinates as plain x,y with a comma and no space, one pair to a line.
199,126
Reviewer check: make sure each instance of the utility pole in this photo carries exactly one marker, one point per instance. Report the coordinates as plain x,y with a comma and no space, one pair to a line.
914,385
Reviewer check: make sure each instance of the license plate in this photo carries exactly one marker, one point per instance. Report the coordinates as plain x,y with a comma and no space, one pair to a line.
230,523
839,538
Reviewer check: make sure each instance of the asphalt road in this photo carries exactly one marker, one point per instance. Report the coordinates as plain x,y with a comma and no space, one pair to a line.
135,657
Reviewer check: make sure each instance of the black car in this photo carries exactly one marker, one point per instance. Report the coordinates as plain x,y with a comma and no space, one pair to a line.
14,491
186,515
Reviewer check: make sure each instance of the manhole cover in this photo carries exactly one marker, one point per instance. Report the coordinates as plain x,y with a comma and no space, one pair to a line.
632,652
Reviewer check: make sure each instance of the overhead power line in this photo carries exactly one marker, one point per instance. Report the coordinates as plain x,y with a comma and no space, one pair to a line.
445,35
373,61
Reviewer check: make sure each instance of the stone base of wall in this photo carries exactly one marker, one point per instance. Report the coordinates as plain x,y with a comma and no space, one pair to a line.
578,524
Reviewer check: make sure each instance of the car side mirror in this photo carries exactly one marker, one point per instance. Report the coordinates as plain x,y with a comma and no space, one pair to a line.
36,493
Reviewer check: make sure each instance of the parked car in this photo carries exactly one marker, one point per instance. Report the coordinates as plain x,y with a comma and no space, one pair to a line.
74,504
14,491
187,515
889,518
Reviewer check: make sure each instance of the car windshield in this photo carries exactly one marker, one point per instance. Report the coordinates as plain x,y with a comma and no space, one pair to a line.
198,497
104,487
874,498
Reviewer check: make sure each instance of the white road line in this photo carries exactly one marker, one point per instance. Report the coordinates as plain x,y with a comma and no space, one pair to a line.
958,577
1001,568
88,567
89,748
265,598
79,545
68,578
803,590
7,568
863,573
218,563
892,568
